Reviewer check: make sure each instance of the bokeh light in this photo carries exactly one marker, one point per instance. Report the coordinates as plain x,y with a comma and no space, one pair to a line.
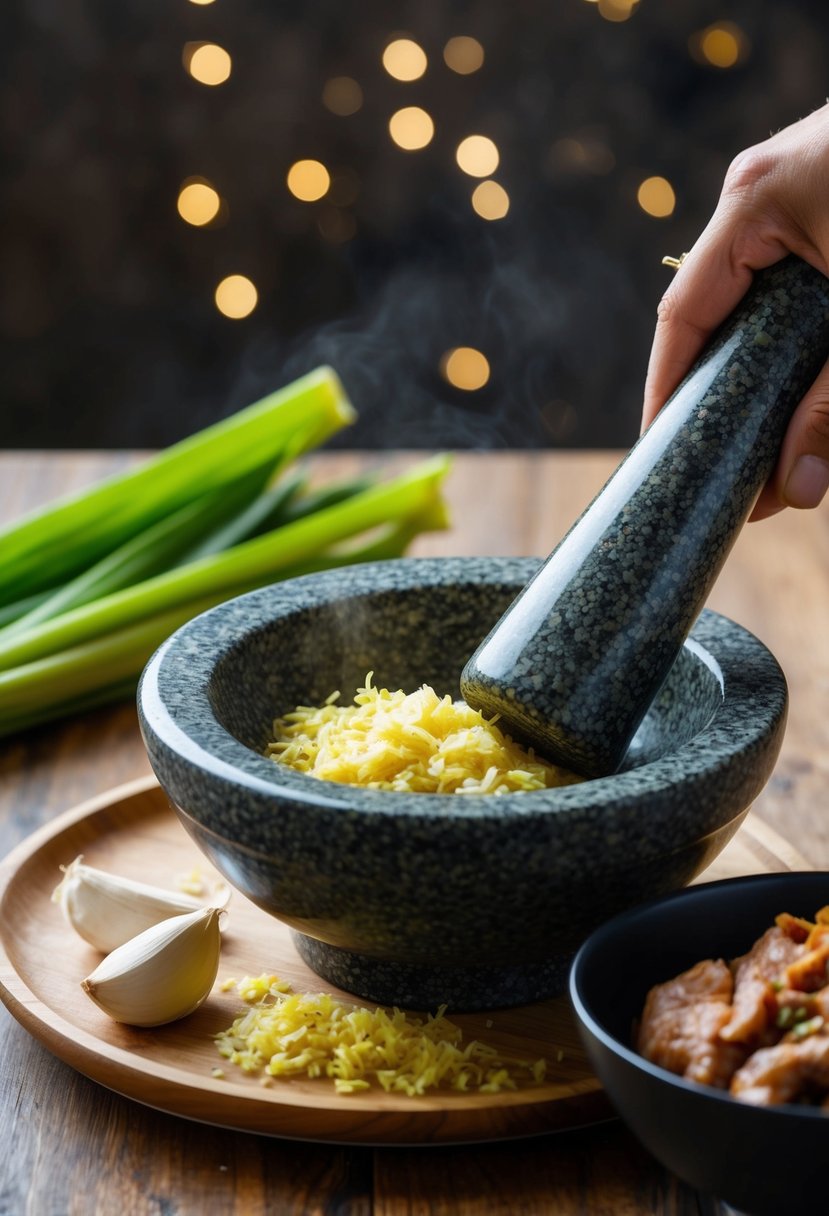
236,297
342,95
617,10
490,200
463,55
411,128
656,196
201,2
207,62
722,45
465,367
477,155
404,59
308,180
198,203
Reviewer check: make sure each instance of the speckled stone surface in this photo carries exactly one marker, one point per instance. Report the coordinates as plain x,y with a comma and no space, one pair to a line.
395,894
576,661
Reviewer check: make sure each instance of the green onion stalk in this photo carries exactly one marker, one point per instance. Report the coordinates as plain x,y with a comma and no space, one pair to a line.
67,536
67,646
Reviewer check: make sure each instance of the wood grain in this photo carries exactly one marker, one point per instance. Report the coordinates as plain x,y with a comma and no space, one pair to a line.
71,1146
170,1067
134,833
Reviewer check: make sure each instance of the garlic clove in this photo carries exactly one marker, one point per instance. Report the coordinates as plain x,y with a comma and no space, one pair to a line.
161,975
107,911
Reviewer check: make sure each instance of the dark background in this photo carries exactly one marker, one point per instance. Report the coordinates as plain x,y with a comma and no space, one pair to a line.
109,331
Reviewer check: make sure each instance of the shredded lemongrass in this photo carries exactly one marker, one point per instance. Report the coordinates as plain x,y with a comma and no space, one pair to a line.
417,742
285,1034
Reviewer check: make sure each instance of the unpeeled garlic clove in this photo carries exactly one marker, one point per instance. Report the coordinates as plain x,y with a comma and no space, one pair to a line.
107,911
162,974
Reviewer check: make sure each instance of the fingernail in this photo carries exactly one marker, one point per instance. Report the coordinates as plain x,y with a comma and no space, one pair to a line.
807,483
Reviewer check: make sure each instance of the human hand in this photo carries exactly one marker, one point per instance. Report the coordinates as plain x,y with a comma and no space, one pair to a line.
774,201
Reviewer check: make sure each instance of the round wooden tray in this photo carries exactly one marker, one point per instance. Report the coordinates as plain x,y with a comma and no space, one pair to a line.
133,832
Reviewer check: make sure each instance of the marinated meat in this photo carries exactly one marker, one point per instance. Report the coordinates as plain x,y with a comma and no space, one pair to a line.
797,927
756,976
819,1004
759,1026
809,971
682,1021
789,1072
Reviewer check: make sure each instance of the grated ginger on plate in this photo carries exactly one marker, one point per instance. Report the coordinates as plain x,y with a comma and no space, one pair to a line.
286,1033
191,882
414,743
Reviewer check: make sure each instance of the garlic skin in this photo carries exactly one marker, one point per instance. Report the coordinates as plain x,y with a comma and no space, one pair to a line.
162,974
107,911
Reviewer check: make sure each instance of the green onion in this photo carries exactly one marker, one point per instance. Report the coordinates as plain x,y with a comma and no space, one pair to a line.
327,496
92,584
250,564
266,510
94,653
64,538
803,1029
39,691
18,608
148,553
392,541
122,690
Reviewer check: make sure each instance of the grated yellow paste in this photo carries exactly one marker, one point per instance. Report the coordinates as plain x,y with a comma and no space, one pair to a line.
286,1033
415,743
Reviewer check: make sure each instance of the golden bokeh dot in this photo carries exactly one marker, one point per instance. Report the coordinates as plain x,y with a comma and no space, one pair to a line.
198,203
463,55
411,128
656,197
477,155
308,180
490,200
207,62
342,95
201,2
721,45
465,367
236,297
617,10
404,59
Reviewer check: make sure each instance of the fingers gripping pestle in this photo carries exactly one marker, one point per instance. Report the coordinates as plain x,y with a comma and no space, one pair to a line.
576,661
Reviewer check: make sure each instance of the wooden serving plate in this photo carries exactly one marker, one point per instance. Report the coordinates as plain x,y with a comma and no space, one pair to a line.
133,832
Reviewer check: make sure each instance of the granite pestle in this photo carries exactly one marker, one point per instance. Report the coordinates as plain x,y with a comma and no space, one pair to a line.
577,659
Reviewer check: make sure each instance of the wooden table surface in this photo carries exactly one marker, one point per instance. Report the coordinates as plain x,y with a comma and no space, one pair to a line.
72,1148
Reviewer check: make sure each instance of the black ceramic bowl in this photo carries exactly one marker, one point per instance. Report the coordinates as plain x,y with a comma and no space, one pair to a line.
765,1161
420,899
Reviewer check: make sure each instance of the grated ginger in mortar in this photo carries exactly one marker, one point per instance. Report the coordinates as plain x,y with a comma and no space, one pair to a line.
415,743
286,1033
